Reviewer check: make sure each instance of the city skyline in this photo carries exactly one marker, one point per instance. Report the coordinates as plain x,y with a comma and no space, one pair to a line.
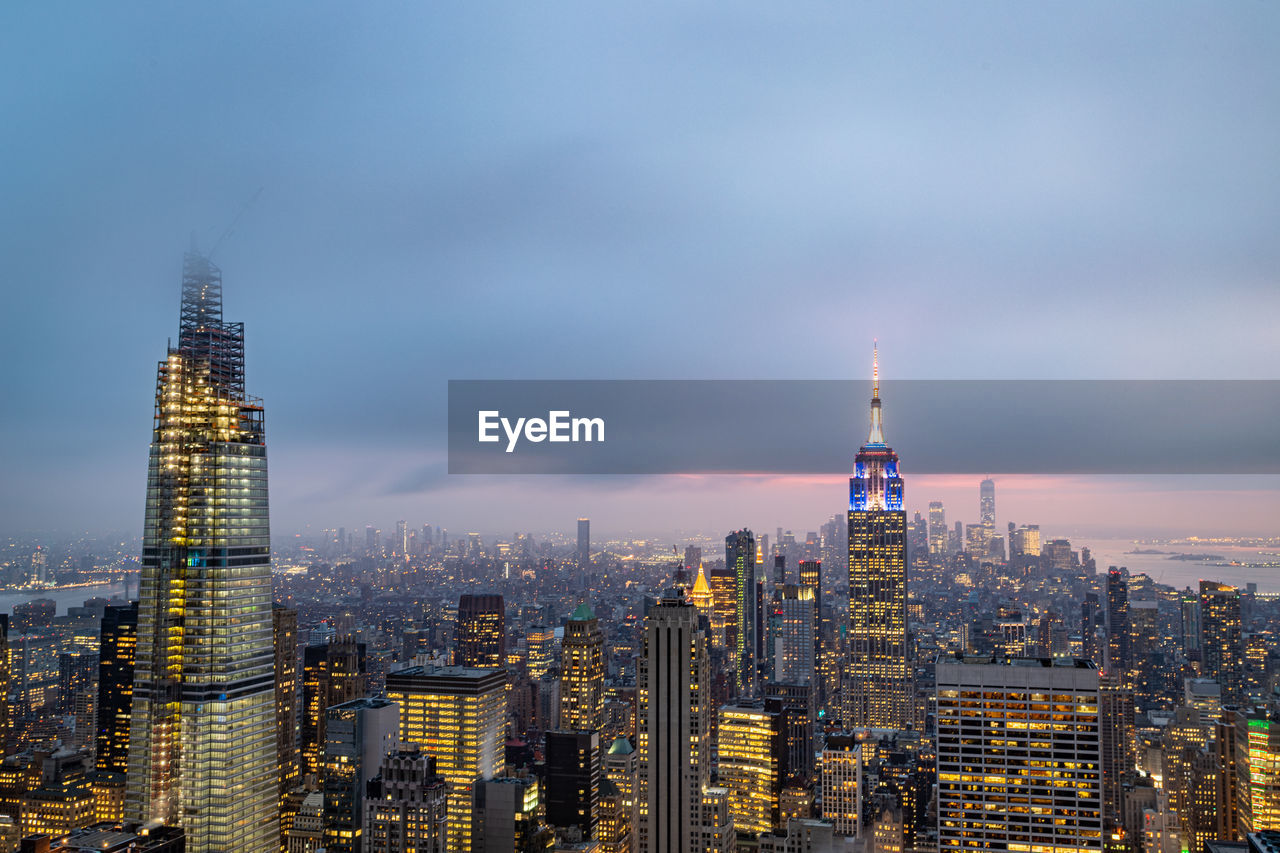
1030,602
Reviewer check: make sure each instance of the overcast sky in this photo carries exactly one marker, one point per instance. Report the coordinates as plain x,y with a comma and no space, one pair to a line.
693,190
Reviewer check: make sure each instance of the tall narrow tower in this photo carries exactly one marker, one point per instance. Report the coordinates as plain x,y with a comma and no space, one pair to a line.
740,558
987,512
1220,643
673,729
584,546
878,687
582,672
202,739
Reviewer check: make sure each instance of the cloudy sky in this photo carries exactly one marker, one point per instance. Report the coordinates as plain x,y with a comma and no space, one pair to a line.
695,190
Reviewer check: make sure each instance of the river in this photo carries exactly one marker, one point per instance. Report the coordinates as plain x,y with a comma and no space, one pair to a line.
1184,573
71,597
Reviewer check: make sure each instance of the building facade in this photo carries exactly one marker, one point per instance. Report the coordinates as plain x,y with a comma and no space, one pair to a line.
457,715
673,729
202,739
878,688
1019,755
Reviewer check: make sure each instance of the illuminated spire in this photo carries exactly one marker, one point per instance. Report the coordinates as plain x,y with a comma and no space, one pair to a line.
875,368
877,434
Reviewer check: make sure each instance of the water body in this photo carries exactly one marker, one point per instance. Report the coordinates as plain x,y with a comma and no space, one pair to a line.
1184,573
73,597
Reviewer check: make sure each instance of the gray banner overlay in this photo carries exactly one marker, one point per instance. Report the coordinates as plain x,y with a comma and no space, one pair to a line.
1226,427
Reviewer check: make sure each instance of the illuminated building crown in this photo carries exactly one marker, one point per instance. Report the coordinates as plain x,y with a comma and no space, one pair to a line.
875,484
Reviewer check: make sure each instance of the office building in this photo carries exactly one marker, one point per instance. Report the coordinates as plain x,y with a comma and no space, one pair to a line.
1019,755
937,532
540,642
724,603
793,635
357,736
332,674
288,681
1116,721
405,807
582,672
749,747
673,729
740,558
841,783
573,780
1221,643
506,818
202,744
584,545
795,706
117,648
620,772
482,631
457,715
1257,770
1118,657
987,514
878,684
811,576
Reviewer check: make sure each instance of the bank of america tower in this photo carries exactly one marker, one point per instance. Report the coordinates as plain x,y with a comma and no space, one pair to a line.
202,742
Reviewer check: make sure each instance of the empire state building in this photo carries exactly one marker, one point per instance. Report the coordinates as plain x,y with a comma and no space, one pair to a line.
202,739
877,693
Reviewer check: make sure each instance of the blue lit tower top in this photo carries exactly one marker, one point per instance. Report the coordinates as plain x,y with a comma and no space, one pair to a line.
875,484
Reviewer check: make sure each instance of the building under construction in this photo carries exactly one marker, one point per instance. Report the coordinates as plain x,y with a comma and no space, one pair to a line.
202,740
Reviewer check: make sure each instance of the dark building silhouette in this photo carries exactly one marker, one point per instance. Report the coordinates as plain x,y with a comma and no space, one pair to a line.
573,780
117,646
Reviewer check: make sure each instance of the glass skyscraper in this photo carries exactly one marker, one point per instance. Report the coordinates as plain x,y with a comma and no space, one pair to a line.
202,740
878,690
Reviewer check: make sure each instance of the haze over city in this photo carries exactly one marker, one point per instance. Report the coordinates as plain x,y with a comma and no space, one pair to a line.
426,195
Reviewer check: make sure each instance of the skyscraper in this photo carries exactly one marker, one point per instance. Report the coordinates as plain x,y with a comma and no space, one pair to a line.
811,576
584,545
1115,709
455,714
202,742
1221,646
792,648
117,646
841,783
331,674
749,746
288,766
582,672
1117,623
6,675
987,513
573,780
1257,770
878,686
1007,780
1090,621
673,731
405,807
937,532
482,631
724,607
540,642
357,736
740,558
620,771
